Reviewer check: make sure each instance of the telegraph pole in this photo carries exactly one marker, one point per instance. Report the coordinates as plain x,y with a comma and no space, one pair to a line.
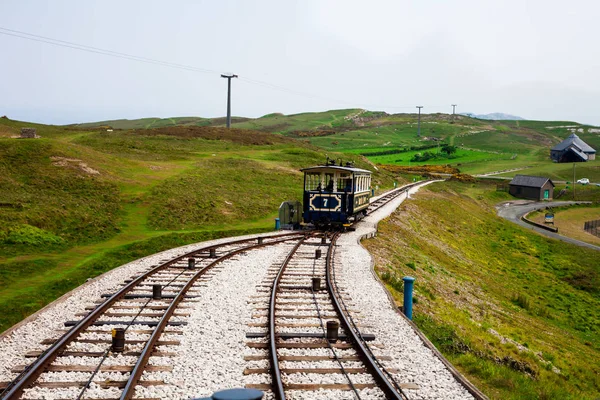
454,108
573,181
419,124
229,97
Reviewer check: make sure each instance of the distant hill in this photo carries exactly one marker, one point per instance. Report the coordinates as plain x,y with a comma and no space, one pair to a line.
149,123
494,116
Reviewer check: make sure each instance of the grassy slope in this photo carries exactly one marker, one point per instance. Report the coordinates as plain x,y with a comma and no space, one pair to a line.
61,223
486,146
477,273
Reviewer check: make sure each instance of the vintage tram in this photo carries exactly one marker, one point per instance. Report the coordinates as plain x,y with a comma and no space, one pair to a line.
335,195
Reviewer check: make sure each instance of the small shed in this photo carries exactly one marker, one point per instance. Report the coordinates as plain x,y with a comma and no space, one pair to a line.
531,187
290,214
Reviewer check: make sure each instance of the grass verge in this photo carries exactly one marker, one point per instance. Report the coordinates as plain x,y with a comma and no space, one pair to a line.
516,312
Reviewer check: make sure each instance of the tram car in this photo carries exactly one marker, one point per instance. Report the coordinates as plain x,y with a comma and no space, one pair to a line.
335,195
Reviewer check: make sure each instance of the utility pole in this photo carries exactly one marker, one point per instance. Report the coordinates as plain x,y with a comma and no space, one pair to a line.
229,97
419,124
454,108
573,181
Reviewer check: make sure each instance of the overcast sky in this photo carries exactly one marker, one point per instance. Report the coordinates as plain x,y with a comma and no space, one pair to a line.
534,59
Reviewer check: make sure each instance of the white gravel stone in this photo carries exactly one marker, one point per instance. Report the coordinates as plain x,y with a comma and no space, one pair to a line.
415,361
213,345
46,323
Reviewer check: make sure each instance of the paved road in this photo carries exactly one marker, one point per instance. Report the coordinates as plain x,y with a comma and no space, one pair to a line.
514,212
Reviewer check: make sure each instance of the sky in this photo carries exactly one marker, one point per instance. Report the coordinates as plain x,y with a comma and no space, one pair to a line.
534,59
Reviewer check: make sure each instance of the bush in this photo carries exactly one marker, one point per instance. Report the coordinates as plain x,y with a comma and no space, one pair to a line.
29,235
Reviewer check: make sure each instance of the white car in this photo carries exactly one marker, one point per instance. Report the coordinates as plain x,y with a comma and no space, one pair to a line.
583,181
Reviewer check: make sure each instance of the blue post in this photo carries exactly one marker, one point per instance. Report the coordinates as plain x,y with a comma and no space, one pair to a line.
277,224
409,281
372,192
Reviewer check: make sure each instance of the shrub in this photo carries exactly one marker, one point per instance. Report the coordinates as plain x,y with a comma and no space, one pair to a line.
522,301
29,235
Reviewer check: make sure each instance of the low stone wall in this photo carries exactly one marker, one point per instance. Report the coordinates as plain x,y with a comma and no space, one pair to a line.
28,133
546,227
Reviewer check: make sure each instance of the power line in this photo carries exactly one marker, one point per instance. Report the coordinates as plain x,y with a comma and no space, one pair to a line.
97,50
132,57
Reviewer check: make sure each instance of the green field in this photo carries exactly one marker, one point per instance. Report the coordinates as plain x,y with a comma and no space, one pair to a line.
460,159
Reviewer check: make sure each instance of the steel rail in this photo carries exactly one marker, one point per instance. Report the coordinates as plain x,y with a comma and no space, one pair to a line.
277,384
384,384
136,373
15,389
395,193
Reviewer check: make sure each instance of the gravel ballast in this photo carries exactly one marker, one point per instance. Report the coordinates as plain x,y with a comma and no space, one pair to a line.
415,362
48,322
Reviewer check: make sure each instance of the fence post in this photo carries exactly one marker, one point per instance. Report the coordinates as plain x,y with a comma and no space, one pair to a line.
408,296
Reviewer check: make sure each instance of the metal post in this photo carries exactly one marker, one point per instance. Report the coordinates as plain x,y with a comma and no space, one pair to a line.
191,263
318,253
212,253
419,124
573,181
118,340
316,284
277,224
332,331
229,97
408,296
260,240
156,292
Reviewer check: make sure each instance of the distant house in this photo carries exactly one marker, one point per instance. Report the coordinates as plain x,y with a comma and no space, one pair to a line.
572,149
531,187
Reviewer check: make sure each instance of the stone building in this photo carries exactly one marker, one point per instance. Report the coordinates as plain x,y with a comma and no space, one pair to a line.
28,133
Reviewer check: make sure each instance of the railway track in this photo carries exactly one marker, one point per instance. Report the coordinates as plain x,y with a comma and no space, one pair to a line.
298,316
389,196
301,310
150,309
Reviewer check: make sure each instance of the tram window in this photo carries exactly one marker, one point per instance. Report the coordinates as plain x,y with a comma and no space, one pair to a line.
313,181
344,183
329,182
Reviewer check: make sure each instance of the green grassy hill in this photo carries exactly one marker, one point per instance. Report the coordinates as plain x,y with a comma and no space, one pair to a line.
84,199
516,312
482,145
77,202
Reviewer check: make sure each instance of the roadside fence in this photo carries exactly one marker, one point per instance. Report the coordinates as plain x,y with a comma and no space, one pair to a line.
592,227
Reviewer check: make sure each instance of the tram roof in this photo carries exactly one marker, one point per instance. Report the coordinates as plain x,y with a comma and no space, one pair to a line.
329,168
